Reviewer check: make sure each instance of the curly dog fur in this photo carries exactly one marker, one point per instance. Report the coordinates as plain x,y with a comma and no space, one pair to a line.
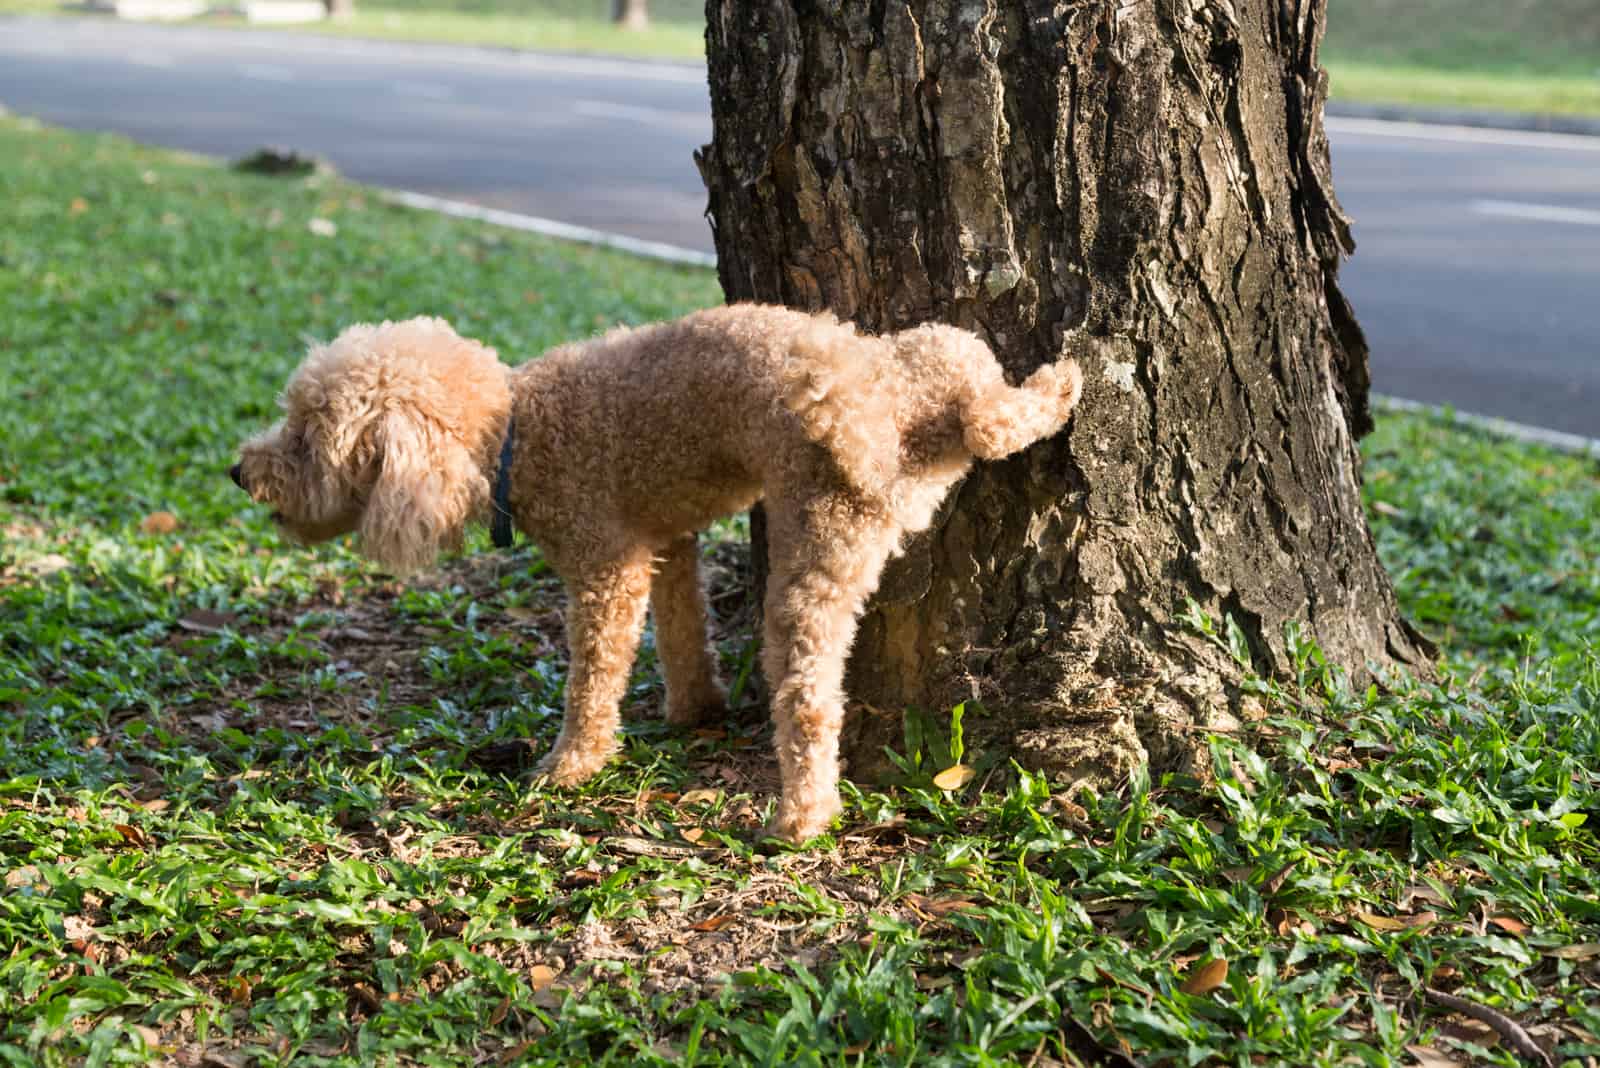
625,447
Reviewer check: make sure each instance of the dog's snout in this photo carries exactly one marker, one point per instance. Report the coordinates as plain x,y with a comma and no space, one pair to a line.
238,479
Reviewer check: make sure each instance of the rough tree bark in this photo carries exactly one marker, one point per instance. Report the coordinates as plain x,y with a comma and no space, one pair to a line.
1144,184
631,14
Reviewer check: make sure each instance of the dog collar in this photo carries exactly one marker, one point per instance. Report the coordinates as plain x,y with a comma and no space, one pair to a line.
500,525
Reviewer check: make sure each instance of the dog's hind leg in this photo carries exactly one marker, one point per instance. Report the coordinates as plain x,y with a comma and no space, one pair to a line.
678,603
605,615
1004,419
827,553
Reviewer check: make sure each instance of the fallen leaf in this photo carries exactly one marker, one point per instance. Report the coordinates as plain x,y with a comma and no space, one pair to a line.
499,1013
715,923
132,835
159,523
1397,923
541,976
1206,978
1579,951
692,834
1509,924
158,804
46,565
1428,1057
204,621
954,777
78,206
23,876
698,797
939,907
1275,881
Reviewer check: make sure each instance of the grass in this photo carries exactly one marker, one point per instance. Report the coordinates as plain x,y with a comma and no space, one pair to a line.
1539,56
1511,55
238,821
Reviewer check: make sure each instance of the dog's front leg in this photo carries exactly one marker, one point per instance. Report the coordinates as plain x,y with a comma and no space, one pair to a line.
605,613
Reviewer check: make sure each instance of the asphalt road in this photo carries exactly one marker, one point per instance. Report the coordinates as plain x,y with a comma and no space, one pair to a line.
1477,276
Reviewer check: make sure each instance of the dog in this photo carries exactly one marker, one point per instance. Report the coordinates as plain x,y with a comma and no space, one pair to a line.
610,454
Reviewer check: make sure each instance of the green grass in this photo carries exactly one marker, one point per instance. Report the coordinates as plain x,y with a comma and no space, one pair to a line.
237,816
1538,56
1511,55
676,30
537,32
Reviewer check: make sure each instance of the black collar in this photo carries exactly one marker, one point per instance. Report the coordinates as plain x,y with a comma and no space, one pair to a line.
500,525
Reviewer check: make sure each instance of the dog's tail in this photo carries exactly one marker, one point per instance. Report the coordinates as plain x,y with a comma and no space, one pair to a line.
838,395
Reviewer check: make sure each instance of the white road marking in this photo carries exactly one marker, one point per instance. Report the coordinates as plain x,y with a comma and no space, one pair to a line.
655,250
1472,135
424,90
1552,213
266,72
605,109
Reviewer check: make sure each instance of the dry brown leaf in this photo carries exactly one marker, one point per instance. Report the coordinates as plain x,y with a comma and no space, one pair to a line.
954,777
1397,923
202,621
158,804
23,876
541,976
1509,924
698,797
1206,978
132,835
1275,881
159,523
499,1013
715,923
1428,1057
1579,951
692,834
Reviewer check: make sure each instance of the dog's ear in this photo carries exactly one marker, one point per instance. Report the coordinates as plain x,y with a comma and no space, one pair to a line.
427,487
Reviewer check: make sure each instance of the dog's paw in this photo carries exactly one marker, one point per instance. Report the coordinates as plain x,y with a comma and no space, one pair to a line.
697,708
800,823
569,767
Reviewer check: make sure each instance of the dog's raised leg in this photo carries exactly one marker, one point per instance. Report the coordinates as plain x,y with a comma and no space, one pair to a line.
678,603
1002,419
826,559
605,615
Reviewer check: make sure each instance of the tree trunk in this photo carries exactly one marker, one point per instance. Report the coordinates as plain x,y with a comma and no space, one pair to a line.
631,14
1144,185
340,9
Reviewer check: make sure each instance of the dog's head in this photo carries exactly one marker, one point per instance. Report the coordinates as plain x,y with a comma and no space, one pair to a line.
389,430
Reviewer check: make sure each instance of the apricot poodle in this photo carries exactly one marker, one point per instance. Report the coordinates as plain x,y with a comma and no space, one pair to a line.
611,453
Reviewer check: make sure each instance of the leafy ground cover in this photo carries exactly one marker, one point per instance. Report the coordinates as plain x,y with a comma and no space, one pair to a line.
239,822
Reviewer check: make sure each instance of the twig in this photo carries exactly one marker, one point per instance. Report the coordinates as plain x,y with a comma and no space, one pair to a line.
1515,1034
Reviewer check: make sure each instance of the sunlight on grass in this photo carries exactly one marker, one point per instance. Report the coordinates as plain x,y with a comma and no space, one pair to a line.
239,822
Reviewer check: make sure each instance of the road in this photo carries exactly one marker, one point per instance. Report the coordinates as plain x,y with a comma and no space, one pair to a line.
1477,276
